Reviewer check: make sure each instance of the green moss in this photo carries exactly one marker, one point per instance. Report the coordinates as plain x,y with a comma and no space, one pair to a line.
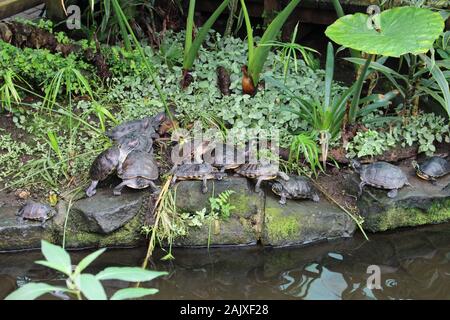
128,235
281,227
408,217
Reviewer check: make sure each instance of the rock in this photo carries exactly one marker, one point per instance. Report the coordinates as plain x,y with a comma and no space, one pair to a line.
424,203
17,234
104,220
303,221
243,227
105,213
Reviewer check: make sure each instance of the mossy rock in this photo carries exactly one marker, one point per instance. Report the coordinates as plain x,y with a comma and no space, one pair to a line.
304,221
244,227
424,203
78,234
18,234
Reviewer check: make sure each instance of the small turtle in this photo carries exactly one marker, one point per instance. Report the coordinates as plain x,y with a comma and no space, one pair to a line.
381,175
195,171
261,172
294,188
36,211
147,124
103,166
138,171
432,168
227,157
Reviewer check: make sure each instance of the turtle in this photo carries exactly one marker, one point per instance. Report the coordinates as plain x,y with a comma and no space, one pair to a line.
432,168
146,124
261,172
139,141
295,188
195,171
138,171
227,157
36,211
381,175
103,166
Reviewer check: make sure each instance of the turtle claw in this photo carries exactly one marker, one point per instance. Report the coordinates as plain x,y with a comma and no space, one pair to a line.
393,193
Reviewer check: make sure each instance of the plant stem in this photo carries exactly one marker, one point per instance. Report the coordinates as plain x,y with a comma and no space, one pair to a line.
248,26
229,26
189,27
358,89
122,27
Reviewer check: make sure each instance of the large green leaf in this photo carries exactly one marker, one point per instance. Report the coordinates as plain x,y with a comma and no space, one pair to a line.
91,287
31,291
88,260
132,274
403,30
56,256
133,293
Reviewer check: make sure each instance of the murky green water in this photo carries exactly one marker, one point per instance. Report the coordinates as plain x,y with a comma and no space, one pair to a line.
414,264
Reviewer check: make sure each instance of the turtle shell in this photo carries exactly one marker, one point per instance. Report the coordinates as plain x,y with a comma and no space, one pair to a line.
296,187
136,141
435,167
105,164
36,211
383,175
251,170
139,164
128,127
194,170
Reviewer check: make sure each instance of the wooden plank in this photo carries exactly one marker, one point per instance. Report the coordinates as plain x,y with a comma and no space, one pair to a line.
11,7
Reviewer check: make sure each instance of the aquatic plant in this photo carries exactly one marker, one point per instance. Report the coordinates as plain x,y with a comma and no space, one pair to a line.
191,47
392,33
85,285
257,56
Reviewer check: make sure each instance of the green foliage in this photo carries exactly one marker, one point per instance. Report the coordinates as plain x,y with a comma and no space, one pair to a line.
191,47
289,52
402,30
257,56
221,206
305,145
424,130
85,285
8,90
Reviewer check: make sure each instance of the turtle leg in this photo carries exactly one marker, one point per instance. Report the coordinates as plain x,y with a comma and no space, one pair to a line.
118,189
283,199
174,179
393,193
283,176
205,185
258,184
155,188
92,188
361,186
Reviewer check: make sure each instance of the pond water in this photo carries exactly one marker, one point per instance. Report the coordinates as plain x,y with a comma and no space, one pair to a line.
413,264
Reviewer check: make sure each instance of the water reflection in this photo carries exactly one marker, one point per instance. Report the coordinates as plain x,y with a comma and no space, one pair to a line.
413,264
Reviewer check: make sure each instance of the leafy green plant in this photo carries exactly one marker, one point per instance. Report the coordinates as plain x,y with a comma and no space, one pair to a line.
191,46
368,143
305,146
289,52
221,206
8,91
85,285
257,56
398,34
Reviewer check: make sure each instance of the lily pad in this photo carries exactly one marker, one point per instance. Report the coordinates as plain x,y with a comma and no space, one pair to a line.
402,30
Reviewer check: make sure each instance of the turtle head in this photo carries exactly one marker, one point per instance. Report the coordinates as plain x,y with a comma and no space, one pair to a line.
415,164
356,165
277,188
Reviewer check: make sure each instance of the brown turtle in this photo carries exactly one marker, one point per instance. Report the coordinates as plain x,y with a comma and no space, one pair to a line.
147,124
295,188
381,175
432,168
102,167
138,171
196,171
261,172
36,211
